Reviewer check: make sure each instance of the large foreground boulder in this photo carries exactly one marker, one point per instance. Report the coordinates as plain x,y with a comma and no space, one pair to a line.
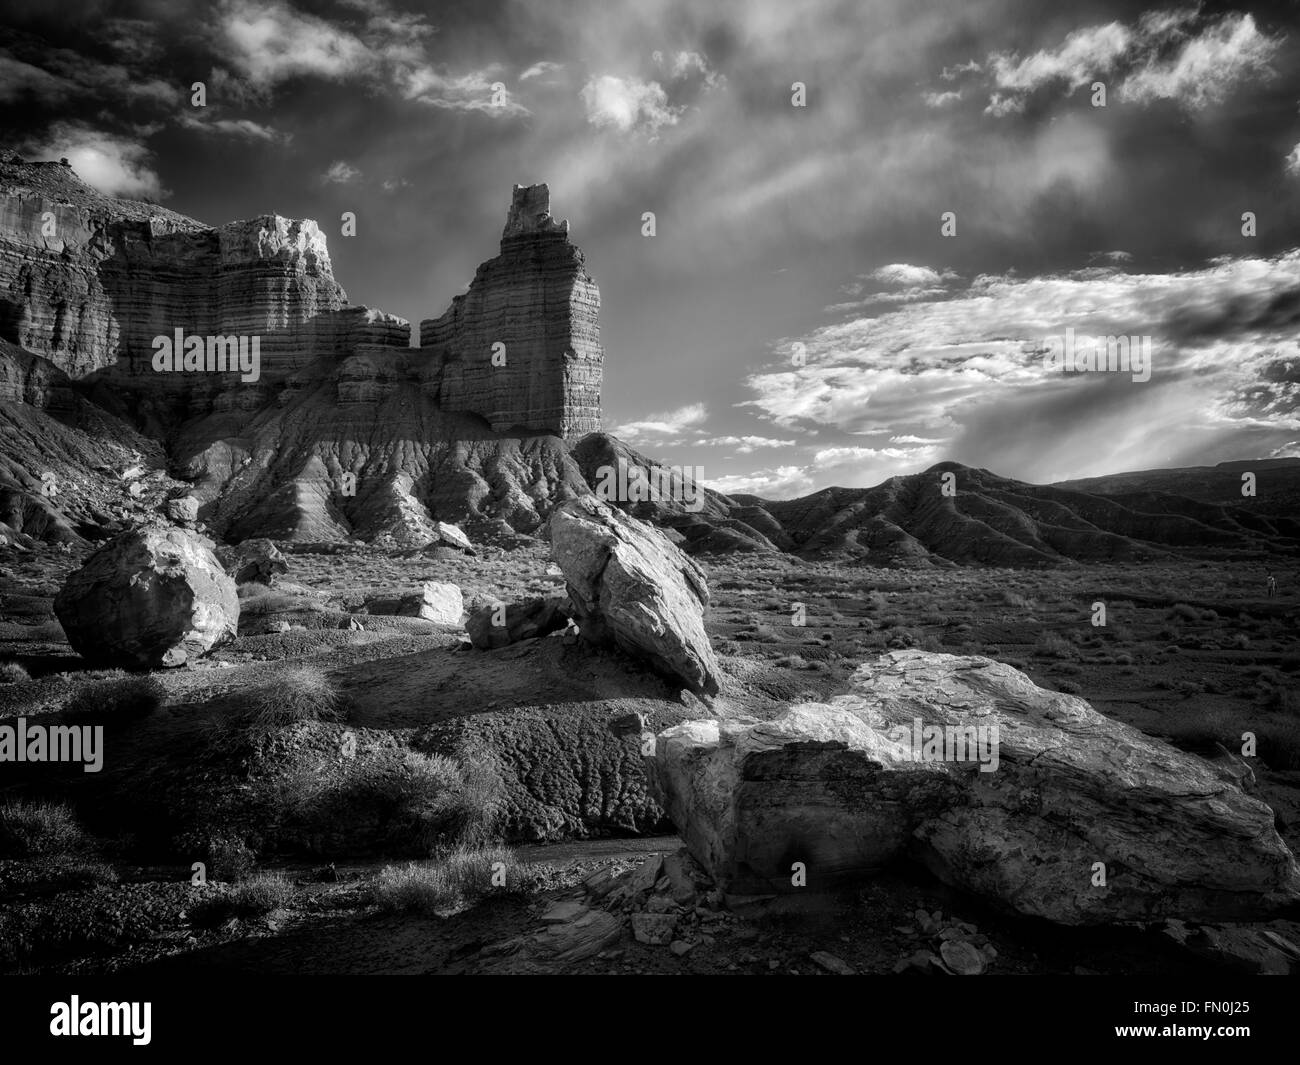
631,587
1026,796
149,598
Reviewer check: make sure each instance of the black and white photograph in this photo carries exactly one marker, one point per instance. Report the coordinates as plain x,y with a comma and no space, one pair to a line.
788,488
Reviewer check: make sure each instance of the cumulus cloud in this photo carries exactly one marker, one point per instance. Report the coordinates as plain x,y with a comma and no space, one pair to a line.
968,369
268,43
627,104
780,482
907,274
113,164
340,173
667,424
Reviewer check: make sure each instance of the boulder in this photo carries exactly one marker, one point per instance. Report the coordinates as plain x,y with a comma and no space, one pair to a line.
149,598
518,621
183,510
452,536
1054,811
253,560
437,602
631,587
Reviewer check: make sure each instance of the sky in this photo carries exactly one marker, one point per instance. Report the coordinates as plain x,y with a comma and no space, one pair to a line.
835,293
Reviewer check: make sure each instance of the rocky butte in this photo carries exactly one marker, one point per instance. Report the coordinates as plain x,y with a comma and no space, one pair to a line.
348,431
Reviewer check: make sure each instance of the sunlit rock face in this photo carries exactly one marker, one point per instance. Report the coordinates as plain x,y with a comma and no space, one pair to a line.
535,308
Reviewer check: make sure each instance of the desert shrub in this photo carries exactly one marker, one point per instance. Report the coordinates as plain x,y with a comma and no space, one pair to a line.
1181,611
118,696
30,827
1069,669
295,694
1202,727
230,859
891,621
1188,688
1124,659
456,877
445,801
1239,641
791,662
1009,598
1067,687
254,897
12,673
1053,645
930,643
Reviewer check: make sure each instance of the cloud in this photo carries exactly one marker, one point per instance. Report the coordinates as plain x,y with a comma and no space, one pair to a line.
242,128
670,423
63,73
1166,55
268,43
627,104
1207,68
1001,104
115,165
940,99
744,445
906,274
340,173
781,482
1292,161
967,369
537,70
1082,56
685,64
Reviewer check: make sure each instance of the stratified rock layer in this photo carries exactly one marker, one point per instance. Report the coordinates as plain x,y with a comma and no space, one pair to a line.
537,301
1082,820
150,598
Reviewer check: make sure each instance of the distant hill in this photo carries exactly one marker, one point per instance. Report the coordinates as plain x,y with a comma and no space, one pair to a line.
991,520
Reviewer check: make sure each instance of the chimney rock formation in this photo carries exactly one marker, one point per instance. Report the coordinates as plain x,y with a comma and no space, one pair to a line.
537,299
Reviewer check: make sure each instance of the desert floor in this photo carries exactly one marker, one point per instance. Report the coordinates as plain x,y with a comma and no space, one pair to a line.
298,836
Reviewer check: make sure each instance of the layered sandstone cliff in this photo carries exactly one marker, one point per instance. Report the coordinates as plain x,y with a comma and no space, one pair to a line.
522,347
347,432
87,282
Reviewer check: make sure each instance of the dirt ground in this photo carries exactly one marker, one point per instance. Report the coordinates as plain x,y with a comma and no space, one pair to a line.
1193,653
